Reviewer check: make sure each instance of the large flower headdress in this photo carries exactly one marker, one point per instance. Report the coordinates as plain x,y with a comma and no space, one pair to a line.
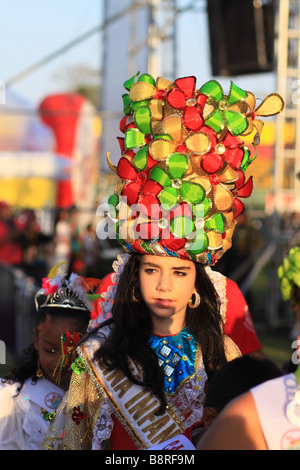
182,166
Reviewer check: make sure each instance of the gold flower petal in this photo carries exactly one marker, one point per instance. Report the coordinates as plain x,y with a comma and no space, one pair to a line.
223,199
271,105
160,149
142,91
215,240
172,125
198,143
163,83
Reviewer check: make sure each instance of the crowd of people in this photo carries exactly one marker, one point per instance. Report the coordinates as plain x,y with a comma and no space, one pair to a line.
170,351
25,245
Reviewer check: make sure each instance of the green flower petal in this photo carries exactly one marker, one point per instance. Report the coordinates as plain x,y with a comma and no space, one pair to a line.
146,77
215,223
160,175
192,192
201,211
134,139
177,164
198,245
113,201
212,89
236,94
181,226
126,104
236,122
137,104
215,120
247,159
168,198
140,160
142,118
128,83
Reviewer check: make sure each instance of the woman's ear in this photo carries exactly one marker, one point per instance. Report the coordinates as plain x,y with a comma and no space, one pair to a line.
209,415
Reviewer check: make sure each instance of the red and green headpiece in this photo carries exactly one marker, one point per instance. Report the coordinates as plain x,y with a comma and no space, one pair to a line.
182,166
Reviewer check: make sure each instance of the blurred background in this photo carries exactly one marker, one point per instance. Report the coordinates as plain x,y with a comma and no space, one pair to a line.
62,67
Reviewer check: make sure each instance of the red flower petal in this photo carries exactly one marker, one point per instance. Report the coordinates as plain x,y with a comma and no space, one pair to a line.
231,141
241,180
201,101
131,192
246,190
149,206
187,85
234,157
124,124
172,243
238,208
177,99
152,187
192,118
125,170
211,162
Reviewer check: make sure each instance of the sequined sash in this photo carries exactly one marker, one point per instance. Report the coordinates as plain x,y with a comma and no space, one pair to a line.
133,405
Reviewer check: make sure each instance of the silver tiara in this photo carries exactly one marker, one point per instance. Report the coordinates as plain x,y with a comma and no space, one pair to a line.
66,298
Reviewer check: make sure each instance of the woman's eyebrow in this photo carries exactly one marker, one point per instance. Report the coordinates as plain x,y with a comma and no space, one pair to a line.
153,265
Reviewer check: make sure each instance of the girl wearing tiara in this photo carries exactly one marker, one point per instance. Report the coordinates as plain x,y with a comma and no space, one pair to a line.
32,391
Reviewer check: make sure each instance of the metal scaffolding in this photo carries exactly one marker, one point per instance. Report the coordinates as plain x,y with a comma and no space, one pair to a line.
287,148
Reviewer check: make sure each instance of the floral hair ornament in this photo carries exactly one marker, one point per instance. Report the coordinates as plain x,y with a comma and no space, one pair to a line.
289,274
182,167
69,342
75,292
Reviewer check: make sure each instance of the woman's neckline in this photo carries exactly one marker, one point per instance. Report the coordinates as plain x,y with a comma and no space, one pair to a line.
168,336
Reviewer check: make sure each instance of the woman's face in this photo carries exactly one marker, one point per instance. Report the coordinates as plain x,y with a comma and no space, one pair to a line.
47,341
166,285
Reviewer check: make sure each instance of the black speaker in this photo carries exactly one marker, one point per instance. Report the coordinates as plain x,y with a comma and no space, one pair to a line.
241,34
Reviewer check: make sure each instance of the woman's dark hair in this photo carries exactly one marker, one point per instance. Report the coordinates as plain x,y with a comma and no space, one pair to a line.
28,364
132,326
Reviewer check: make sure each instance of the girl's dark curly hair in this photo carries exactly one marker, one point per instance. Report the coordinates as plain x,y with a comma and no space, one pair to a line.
132,326
28,365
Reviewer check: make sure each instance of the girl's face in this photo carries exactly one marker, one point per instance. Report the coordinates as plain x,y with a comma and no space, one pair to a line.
47,341
166,285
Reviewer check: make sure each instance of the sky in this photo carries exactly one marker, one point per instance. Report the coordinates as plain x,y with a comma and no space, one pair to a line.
31,30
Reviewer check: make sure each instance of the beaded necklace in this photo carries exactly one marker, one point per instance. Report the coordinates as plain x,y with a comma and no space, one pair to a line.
176,357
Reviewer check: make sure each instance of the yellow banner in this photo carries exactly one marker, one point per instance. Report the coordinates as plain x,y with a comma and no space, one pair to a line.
29,193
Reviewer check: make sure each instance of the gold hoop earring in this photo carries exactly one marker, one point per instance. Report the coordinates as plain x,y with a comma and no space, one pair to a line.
195,304
134,299
39,372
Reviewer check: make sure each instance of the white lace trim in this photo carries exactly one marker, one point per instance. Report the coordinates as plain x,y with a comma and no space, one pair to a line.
103,428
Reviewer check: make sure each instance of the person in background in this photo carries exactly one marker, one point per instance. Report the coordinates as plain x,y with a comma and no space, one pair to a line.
11,251
267,416
32,391
233,379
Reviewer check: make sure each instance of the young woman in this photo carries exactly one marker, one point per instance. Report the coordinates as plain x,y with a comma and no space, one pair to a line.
156,351
30,394
181,172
